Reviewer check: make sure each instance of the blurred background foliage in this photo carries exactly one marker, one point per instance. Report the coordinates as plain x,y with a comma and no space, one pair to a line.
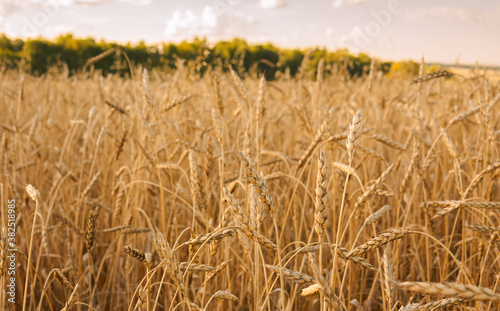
38,56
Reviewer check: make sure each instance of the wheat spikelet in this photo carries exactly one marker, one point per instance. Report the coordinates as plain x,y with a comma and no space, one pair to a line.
378,241
195,267
145,153
240,87
428,216
217,125
90,234
414,163
443,303
209,157
371,190
194,247
293,276
135,253
462,116
202,238
196,187
176,102
259,184
226,295
324,288
450,206
119,147
3,251
377,155
311,290
62,279
91,184
342,252
32,192
169,166
346,169
316,140
97,58
473,184
420,138
384,193
217,270
388,281
321,213
376,215
484,229
100,137
353,133
455,290
260,98
188,145
487,123
120,196
140,305
168,255
237,210
218,97
304,116
262,240
214,246
389,142
449,144
195,306
432,75
135,230
146,125
70,224
410,307
112,102
146,94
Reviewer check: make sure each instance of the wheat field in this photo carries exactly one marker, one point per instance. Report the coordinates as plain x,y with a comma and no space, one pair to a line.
168,191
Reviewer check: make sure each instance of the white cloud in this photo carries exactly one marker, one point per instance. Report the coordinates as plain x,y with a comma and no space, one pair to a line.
213,22
449,13
328,31
272,4
344,3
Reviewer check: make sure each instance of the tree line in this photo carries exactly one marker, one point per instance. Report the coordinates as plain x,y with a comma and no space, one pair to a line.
37,56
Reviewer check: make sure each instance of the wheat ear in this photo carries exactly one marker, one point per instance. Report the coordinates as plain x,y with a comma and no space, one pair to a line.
321,213
378,241
455,290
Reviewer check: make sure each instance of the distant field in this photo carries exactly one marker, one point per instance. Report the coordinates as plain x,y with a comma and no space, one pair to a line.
175,192
493,74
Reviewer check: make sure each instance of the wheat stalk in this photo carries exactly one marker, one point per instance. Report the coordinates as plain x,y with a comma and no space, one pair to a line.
68,306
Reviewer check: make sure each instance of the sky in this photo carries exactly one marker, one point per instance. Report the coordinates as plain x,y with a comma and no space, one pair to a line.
447,31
